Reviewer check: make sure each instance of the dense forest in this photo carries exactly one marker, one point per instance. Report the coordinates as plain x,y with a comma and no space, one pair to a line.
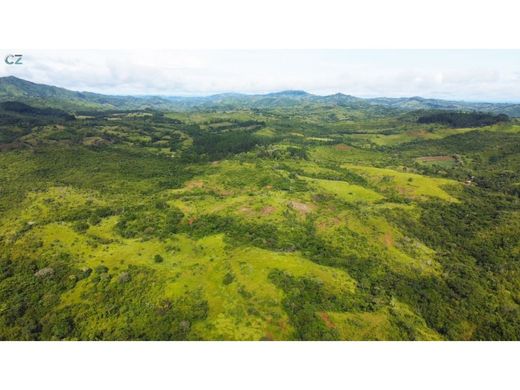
292,218
463,119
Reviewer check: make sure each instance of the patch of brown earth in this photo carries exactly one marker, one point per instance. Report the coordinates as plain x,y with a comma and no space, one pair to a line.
195,184
343,147
335,221
268,210
436,158
302,208
418,133
402,191
95,141
326,319
388,239
246,210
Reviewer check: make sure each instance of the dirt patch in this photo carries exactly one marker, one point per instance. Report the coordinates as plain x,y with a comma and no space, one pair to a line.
342,147
246,210
418,133
326,319
403,191
95,141
302,208
195,184
329,222
268,210
388,239
436,158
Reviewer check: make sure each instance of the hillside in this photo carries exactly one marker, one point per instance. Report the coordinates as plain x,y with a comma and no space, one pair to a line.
285,216
13,88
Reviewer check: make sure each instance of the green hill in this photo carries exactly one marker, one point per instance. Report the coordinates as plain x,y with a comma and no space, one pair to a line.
285,216
41,95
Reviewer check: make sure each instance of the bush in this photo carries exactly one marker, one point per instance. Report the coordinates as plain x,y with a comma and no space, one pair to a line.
158,259
228,278
101,269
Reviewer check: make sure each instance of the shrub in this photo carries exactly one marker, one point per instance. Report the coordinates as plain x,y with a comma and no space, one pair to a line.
228,278
158,259
101,269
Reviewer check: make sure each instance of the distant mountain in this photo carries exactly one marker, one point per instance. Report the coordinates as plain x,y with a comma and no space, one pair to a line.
271,100
419,103
41,95
289,93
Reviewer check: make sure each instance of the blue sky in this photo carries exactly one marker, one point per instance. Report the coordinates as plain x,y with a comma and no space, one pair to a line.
478,75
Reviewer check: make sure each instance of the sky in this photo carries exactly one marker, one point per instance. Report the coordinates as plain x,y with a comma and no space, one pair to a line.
474,75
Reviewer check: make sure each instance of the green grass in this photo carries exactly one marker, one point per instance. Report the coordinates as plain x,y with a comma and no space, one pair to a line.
348,192
382,325
410,185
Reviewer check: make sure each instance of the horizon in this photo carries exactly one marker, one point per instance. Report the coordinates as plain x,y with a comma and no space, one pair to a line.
460,75
137,95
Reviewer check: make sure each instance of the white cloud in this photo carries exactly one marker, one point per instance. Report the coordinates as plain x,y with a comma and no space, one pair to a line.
475,75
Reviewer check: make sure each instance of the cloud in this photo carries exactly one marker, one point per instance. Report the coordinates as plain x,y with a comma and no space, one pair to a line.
474,75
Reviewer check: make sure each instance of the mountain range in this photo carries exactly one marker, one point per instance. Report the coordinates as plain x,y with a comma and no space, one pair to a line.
41,95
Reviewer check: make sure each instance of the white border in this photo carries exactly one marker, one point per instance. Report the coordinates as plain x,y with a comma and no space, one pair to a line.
267,365
257,24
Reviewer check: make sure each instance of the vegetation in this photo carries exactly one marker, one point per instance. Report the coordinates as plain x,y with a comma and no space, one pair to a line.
282,217
463,119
